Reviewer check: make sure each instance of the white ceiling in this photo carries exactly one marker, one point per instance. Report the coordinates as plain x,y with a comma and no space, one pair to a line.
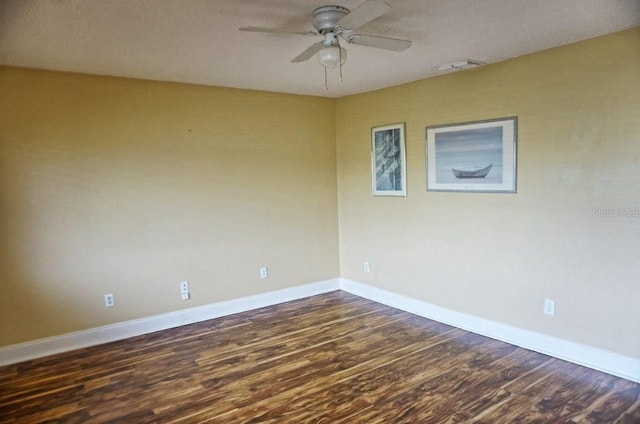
197,41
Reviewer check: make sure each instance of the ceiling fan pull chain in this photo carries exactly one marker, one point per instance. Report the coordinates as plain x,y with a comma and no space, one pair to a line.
326,86
340,50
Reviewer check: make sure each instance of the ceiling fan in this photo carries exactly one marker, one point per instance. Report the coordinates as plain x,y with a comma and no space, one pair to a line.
335,22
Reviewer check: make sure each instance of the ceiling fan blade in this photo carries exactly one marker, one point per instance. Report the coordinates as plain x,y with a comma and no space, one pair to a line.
309,52
276,31
386,43
365,13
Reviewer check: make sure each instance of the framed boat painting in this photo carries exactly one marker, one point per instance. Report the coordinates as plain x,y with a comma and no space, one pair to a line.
473,156
388,161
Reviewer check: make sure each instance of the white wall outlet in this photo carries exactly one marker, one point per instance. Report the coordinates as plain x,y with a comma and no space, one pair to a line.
184,287
184,290
549,307
264,272
108,300
367,267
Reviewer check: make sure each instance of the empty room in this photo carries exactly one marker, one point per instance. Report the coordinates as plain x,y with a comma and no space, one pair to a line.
284,211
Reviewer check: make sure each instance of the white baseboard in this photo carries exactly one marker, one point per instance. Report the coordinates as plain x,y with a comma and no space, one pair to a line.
588,356
592,357
51,345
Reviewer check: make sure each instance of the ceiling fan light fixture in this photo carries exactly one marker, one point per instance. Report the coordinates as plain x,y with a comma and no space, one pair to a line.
332,56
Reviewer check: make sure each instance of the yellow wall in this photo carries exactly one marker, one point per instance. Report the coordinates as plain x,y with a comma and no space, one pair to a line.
123,186
498,256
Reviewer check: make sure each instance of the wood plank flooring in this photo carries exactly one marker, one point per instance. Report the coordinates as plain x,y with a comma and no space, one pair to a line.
333,358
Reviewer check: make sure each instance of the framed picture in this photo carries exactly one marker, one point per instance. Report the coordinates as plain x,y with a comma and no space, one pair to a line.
473,156
388,161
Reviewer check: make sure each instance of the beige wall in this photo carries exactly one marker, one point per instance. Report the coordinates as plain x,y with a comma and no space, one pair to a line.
498,256
126,186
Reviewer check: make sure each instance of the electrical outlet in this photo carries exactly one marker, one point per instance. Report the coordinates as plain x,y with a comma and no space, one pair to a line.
367,267
549,307
264,272
108,300
184,290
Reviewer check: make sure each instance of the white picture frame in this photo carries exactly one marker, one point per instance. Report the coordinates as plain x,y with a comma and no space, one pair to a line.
477,156
388,160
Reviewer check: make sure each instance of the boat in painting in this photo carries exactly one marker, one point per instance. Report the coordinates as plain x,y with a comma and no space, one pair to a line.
476,173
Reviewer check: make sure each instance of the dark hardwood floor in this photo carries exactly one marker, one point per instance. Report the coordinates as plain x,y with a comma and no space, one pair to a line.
334,358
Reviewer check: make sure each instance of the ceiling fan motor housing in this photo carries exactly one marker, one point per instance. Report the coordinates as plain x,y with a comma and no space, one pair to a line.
326,18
